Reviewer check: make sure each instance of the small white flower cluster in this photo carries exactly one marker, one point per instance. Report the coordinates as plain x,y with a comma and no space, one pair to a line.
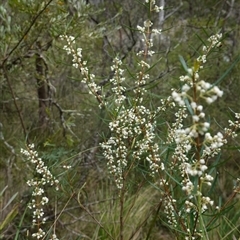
213,144
177,97
207,179
153,5
194,145
147,32
185,137
196,168
197,235
144,64
192,80
139,89
215,40
147,23
204,89
39,234
133,128
44,177
77,54
189,168
54,237
233,126
41,169
132,140
170,212
205,202
209,92
189,206
166,104
177,135
147,41
78,62
117,81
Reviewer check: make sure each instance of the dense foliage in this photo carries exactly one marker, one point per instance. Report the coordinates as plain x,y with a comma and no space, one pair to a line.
119,119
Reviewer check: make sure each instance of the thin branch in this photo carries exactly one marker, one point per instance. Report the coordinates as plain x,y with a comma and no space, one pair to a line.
15,101
91,215
25,33
63,122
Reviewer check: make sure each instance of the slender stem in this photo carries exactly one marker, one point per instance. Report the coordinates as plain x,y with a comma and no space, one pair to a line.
15,101
91,215
26,32
232,196
122,193
198,145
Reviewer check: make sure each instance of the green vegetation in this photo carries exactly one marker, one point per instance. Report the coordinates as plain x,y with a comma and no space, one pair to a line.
119,120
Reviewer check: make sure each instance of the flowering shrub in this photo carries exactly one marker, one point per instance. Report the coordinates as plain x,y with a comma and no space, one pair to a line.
186,173
39,199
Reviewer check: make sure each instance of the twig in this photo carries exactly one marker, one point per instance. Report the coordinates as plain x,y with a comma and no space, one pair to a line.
15,101
90,214
25,33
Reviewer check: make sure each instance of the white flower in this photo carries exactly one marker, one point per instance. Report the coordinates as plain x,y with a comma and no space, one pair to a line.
44,200
185,87
148,23
141,29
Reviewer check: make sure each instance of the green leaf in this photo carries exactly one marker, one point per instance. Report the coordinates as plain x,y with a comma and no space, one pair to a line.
69,140
184,65
11,215
227,71
188,106
11,199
